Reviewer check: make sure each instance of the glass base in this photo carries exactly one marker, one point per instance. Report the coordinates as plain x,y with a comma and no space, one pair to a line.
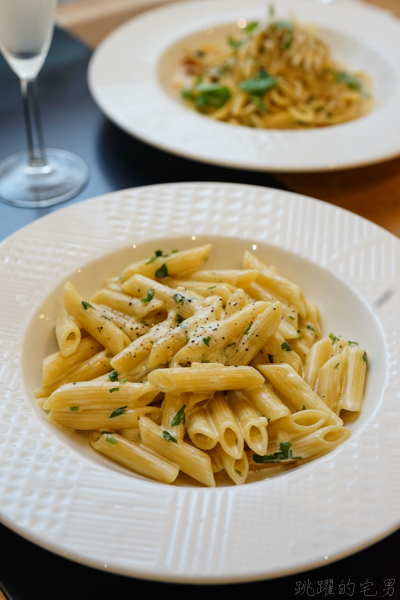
62,178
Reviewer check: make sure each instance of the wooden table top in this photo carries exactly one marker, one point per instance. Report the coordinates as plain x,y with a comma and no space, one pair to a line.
372,192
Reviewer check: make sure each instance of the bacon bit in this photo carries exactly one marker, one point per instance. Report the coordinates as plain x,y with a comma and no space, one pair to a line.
192,66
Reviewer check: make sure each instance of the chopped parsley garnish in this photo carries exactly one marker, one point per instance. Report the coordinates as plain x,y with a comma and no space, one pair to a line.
208,95
74,408
259,103
285,346
113,376
239,473
178,297
290,317
179,417
86,305
212,287
365,357
234,43
104,317
287,39
118,411
284,454
74,383
282,25
179,319
304,407
336,366
260,84
175,251
251,26
111,390
205,361
333,338
271,358
123,380
162,272
351,80
207,340
150,295
246,331
168,437
238,43
229,345
111,440
157,254
354,343
310,327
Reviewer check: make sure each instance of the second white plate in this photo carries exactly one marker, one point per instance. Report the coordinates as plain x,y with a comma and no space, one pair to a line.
130,72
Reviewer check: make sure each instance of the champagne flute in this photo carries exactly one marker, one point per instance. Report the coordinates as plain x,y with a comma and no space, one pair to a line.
38,176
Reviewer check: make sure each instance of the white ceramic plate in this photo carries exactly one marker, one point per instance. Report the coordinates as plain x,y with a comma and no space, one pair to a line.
130,73
56,491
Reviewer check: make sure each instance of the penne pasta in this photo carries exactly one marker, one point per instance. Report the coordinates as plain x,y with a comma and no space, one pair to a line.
204,378
255,336
190,460
316,358
296,390
170,368
323,440
68,334
265,400
330,381
252,423
277,351
101,394
236,468
299,423
238,278
173,416
135,456
203,288
91,320
127,305
353,379
230,435
186,302
56,366
177,263
201,429
88,419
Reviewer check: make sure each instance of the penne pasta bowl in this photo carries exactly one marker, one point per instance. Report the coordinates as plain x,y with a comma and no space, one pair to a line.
61,494
132,77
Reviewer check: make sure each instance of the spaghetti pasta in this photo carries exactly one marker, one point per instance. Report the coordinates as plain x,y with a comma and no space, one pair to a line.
276,75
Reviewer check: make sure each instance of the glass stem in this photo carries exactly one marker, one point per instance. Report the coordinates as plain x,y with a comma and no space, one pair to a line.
33,124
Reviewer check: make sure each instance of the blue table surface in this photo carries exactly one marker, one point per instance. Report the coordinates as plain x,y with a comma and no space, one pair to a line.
72,121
